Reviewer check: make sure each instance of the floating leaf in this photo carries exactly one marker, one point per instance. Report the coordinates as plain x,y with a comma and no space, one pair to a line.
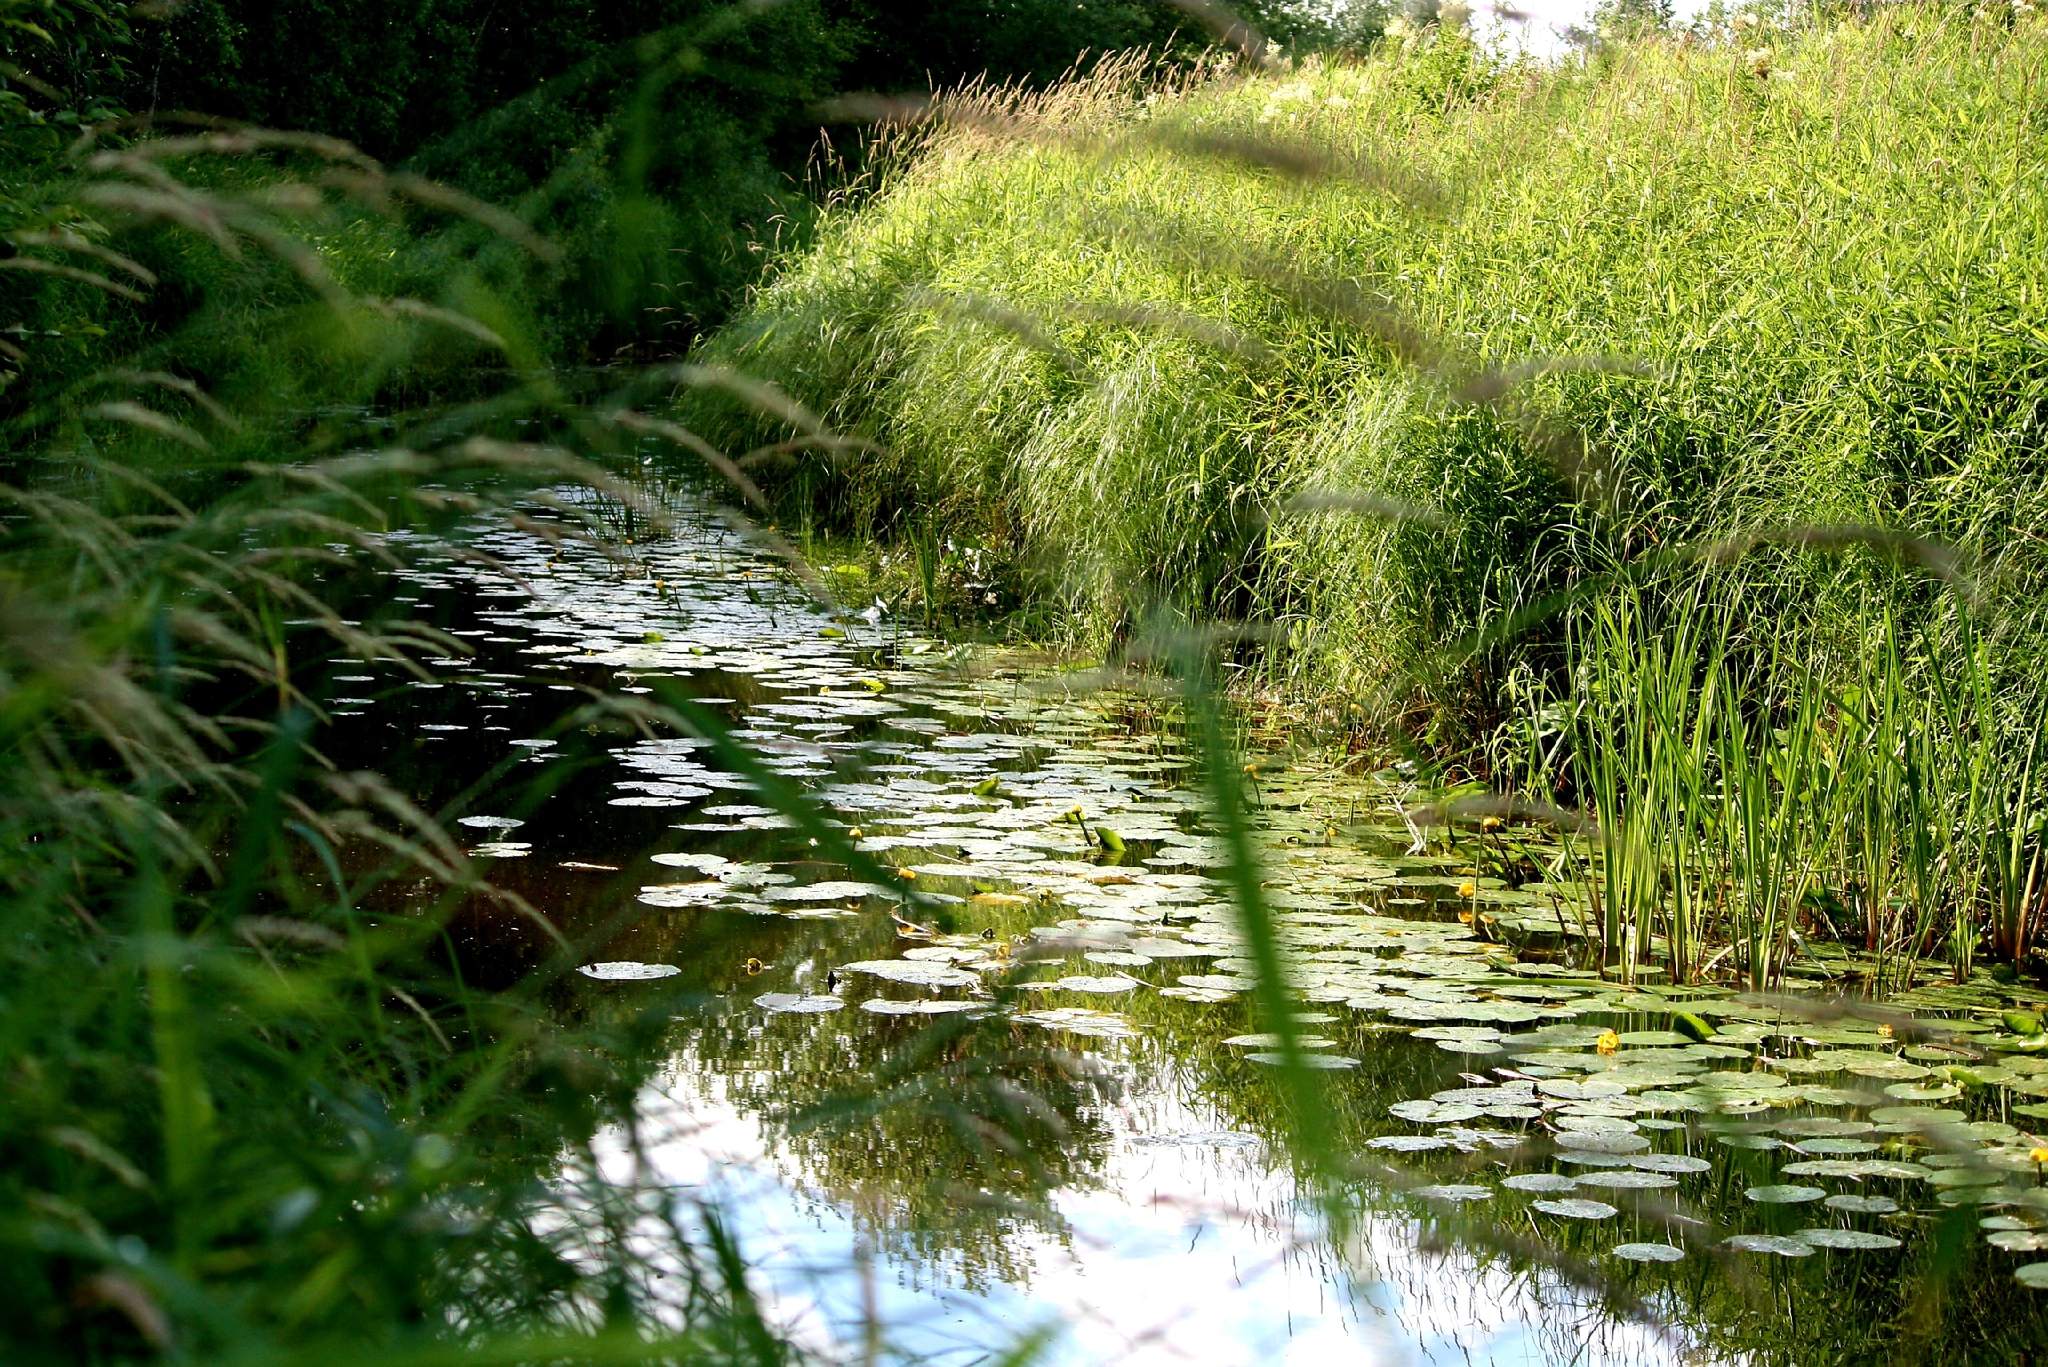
1669,1162
1784,1195
1270,1041
1454,1192
885,1006
1409,1143
914,972
1863,1205
795,1003
1627,1179
627,971
2018,1240
1434,1112
1573,1209
1649,1253
1846,1239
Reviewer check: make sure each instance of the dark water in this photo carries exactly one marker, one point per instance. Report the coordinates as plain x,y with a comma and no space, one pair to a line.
1031,1097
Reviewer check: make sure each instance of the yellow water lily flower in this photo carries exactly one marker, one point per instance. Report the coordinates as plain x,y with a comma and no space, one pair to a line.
754,966
1608,1042
2037,1155
1468,888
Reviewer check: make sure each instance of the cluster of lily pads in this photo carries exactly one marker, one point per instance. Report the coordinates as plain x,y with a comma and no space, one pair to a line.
1003,796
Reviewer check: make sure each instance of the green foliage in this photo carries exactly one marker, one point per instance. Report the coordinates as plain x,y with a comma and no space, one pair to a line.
1719,278
236,1078
1401,360
663,142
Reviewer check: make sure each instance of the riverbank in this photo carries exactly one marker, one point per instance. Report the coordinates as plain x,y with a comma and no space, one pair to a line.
1796,328
1456,383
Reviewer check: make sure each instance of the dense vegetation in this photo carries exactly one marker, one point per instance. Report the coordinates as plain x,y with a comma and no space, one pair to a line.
282,287
1464,385
286,291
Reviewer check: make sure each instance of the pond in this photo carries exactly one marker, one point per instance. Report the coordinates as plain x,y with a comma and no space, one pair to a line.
1030,1097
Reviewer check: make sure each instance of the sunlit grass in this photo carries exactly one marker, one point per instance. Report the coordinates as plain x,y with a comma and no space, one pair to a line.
1401,360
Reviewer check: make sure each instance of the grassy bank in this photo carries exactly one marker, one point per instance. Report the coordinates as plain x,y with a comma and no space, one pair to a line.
1409,362
252,1107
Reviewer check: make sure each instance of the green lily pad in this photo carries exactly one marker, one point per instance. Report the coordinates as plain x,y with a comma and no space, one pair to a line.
1434,1112
929,1006
1669,1162
1573,1209
627,971
1783,1195
1769,1243
1627,1179
2018,1240
914,972
797,1004
1862,1205
1408,1143
1845,1239
1648,1253
1455,1192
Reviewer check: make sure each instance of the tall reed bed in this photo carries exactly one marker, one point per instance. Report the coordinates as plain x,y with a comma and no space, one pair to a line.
1398,360
1752,801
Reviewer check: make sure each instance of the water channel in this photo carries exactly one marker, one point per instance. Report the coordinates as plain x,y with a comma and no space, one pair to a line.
1031,1097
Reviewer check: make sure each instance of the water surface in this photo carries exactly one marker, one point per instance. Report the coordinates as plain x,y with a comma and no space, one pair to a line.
1030,1096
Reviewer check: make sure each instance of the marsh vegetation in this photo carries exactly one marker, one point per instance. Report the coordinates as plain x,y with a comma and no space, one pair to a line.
1021,682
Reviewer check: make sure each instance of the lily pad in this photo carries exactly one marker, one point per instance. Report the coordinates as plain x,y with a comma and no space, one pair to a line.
1456,1192
1434,1112
1845,1239
1408,1143
1572,1208
627,971
1779,1244
914,972
1669,1162
797,1004
1649,1253
1862,1205
1627,1179
1784,1195
2018,1240
886,1006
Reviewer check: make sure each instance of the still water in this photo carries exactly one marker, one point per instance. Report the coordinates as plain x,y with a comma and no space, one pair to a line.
1029,1098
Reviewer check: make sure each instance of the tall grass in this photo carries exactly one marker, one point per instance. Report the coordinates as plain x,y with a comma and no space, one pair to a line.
1749,796
1166,345
251,1110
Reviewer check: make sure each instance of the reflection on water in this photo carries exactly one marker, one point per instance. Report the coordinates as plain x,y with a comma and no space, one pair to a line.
1029,1097
1187,1245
